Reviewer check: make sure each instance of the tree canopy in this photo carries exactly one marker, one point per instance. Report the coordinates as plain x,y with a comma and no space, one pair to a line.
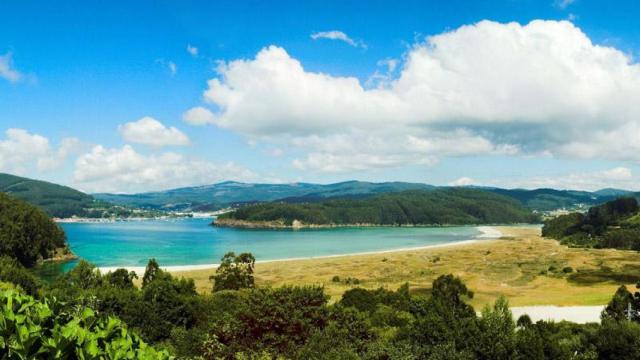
26,232
453,206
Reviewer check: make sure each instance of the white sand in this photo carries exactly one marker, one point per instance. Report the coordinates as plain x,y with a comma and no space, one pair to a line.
486,233
576,314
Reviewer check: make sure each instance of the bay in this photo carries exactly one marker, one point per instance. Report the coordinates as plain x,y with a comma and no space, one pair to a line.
192,241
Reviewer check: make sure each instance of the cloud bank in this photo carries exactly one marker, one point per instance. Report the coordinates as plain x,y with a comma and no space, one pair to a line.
22,152
127,170
486,88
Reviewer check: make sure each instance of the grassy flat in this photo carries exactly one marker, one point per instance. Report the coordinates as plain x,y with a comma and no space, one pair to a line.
516,266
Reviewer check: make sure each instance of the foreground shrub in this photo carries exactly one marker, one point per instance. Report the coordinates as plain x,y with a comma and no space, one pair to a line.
31,329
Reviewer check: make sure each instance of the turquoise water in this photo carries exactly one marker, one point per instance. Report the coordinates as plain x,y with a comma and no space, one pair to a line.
194,241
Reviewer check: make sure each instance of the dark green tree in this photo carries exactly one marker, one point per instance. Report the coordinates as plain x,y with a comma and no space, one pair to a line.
151,272
234,272
121,278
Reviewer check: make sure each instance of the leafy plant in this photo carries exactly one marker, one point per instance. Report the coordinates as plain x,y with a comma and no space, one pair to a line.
31,329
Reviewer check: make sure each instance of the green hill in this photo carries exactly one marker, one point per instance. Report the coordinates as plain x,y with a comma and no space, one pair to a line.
452,206
228,193
231,193
615,224
56,200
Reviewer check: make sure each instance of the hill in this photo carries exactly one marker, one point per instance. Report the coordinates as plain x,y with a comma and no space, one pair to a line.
55,200
216,196
454,206
551,199
230,193
614,224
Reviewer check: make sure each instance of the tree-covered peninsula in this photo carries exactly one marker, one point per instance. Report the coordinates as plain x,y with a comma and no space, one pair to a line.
449,206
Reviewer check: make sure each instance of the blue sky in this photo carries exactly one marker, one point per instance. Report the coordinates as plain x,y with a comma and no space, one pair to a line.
358,100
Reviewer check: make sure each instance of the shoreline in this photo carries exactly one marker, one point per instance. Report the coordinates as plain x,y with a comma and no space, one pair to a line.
298,225
486,233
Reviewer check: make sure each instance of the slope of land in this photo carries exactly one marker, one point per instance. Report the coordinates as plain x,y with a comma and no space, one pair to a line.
615,224
56,200
60,201
523,266
453,206
211,197
230,193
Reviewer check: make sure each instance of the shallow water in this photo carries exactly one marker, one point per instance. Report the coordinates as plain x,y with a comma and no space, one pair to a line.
194,241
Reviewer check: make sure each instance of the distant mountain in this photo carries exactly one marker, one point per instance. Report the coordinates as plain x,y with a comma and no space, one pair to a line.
614,192
230,193
551,199
63,201
216,196
56,200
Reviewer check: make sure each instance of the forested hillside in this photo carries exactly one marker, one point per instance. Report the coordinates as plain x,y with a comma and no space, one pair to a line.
615,224
437,207
27,234
211,197
56,200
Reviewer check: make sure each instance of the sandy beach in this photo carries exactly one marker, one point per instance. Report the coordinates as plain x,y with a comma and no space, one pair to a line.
510,261
576,314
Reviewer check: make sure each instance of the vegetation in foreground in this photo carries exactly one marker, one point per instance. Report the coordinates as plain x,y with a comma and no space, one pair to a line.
436,207
615,224
239,321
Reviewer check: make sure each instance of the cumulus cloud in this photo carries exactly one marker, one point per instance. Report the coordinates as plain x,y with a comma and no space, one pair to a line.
7,71
127,170
337,35
192,50
149,131
486,88
198,116
22,152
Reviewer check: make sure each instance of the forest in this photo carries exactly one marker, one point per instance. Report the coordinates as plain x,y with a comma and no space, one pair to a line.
452,206
615,224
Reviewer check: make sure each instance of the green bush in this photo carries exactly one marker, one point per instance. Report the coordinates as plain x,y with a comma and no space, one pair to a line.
31,329
13,272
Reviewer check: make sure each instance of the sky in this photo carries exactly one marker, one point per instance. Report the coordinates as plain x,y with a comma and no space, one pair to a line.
129,97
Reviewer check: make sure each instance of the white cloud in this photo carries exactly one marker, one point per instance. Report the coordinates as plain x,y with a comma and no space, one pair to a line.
7,71
149,131
619,177
486,88
126,170
173,68
192,50
463,181
22,152
198,116
337,35
563,4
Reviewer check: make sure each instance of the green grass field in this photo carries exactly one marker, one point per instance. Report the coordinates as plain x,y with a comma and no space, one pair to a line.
522,266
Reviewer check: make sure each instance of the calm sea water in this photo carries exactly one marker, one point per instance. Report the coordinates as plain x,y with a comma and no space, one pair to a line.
194,241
